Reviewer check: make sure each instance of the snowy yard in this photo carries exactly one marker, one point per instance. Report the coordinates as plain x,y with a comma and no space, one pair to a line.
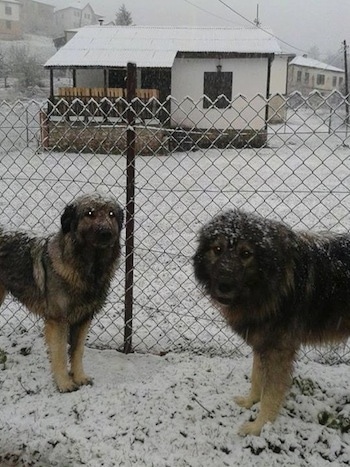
160,406
175,410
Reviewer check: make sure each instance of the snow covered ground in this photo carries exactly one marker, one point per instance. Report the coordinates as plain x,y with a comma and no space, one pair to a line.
176,409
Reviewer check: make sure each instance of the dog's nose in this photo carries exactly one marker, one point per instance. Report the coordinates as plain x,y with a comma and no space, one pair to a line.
224,287
104,235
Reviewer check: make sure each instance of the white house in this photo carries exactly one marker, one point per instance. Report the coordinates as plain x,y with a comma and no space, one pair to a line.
73,14
10,23
203,69
306,75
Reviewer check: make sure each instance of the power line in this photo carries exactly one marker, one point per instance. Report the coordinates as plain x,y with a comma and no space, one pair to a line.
253,24
209,12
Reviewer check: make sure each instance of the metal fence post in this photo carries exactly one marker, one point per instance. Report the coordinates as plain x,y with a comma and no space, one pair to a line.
130,206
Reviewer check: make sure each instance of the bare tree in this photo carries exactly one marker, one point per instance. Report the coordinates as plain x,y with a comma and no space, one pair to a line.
4,69
123,17
25,67
314,52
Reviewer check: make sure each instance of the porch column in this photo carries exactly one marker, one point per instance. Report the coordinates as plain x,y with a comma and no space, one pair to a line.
105,80
51,85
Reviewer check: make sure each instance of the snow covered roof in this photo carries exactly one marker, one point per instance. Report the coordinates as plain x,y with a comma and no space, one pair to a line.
77,4
311,63
155,46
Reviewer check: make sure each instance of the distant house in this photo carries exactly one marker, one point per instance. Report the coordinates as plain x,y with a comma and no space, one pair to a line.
70,15
203,69
37,17
306,75
10,22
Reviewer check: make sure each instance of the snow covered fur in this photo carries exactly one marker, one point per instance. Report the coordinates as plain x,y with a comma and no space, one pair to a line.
65,278
278,289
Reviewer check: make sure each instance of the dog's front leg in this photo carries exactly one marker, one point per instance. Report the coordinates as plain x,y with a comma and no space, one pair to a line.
77,337
56,335
256,385
277,367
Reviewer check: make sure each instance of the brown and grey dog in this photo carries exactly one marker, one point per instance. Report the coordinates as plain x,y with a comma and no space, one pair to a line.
278,289
65,278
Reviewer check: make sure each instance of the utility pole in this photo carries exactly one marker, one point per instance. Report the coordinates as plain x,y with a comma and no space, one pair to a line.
257,21
346,84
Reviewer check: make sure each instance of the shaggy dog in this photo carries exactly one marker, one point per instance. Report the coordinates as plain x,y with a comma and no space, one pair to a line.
65,278
278,289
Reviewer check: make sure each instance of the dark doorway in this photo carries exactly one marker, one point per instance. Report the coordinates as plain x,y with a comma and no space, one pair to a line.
157,78
117,78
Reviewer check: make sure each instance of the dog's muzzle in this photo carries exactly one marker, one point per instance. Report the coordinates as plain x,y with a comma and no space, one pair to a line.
104,237
223,290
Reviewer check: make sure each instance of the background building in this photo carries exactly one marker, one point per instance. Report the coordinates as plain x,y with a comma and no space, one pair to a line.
306,75
72,15
10,20
37,17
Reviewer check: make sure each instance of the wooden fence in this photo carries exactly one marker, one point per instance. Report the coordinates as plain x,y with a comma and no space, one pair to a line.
89,103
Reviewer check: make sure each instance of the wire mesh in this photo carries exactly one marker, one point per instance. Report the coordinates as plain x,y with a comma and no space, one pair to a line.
287,158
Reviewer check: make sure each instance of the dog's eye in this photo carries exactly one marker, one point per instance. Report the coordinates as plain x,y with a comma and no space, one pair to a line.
245,253
217,250
111,214
90,213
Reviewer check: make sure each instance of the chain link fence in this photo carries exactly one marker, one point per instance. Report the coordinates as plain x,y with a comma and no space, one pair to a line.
287,158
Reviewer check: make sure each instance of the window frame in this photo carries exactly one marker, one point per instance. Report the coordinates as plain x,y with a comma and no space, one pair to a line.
320,79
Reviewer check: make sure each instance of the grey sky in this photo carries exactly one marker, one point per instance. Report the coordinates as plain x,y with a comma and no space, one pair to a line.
302,23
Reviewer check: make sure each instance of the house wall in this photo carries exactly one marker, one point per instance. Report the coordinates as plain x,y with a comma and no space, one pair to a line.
90,78
295,84
10,26
278,89
249,79
279,71
87,16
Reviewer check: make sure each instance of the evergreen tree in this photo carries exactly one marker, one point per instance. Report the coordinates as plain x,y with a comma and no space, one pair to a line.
123,17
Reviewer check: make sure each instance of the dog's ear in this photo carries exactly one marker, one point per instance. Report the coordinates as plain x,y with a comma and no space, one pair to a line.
67,217
120,217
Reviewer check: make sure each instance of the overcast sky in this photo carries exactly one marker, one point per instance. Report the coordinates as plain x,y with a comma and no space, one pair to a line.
301,23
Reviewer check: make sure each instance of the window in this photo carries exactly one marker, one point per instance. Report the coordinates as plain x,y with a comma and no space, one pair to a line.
298,76
217,84
8,10
306,78
340,81
8,24
320,79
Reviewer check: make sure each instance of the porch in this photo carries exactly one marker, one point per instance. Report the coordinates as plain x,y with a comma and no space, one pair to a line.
94,103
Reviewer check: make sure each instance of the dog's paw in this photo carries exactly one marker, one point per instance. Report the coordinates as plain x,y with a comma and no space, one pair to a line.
68,385
250,428
246,402
83,380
